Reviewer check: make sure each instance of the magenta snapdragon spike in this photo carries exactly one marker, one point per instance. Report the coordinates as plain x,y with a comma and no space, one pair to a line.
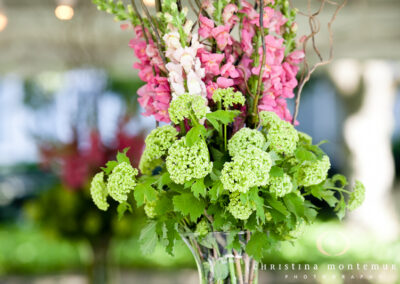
223,50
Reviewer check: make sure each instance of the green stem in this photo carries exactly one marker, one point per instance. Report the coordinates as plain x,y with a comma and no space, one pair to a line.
232,270
339,189
225,136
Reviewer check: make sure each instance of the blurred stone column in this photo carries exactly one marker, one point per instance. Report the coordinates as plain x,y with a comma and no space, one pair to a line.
369,92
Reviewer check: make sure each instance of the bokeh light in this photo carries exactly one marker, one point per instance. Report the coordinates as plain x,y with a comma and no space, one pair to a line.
3,21
64,12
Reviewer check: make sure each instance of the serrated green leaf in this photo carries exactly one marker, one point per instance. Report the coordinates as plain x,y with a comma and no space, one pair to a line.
110,165
302,155
144,192
277,205
164,205
198,188
259,202
216,190
194,135
148,238
294,204
122,207
121,156
276,172
257,245
189,205
221,269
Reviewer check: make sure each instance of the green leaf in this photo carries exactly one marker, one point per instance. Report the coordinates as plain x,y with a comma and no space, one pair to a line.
194,135
278,206
309,211
144,192
340,178
257,245
164,205
216,190
294,204
171,234
148,238
121,157
198,188
341,209
122,207
109,167
276,172
304,155
189,205
165,179
259,202
221,117
221,269
329,197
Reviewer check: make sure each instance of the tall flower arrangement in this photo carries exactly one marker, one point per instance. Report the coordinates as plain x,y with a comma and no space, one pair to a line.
229,160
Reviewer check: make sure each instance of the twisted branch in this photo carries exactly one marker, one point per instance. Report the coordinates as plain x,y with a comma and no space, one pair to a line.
315,26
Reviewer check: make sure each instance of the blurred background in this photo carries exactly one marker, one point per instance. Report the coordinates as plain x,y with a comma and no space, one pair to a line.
68,104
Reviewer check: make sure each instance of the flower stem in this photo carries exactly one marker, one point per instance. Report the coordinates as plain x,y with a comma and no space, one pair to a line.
232,271
264,48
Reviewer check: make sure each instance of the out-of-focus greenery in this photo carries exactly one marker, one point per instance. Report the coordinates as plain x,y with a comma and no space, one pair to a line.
26,250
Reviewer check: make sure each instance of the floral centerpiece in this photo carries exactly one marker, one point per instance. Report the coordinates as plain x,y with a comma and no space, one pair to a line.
228,173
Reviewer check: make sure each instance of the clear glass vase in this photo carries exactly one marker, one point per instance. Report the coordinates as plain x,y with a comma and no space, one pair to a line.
216,263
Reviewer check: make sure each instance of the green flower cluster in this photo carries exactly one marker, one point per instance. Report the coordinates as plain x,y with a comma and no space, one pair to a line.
247,169
201,228
228,97
150,209
315,172
238,209
98,191
357,196
282,136
157,144
185,163
245,138
122,181
280,186
188,106
269,119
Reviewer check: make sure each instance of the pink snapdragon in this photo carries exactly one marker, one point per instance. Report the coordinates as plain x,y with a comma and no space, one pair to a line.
206,26
222,36
228,16
211,61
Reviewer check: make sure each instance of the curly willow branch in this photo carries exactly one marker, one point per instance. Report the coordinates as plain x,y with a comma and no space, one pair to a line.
315,27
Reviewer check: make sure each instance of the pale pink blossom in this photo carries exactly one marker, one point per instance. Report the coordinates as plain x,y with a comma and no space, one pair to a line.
228,15
211,62
224,82
206,26
222,36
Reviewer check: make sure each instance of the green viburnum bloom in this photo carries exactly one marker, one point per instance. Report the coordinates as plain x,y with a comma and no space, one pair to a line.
245,138
299,230
150,209
280,186
238,209
283,138
228,97
357,196
159,140
313,172
122,181
269,119
185,163
157,144
98,191
304,138
187,105
247,169
201,228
